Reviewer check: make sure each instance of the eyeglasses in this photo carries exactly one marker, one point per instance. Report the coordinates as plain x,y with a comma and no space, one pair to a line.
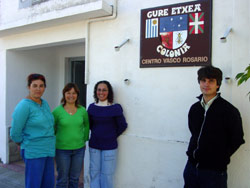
102,90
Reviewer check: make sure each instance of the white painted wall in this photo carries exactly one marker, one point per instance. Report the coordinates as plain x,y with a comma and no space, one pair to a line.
67,51
3,128
20,65
239,169
156,103
14,14
48,61
51,36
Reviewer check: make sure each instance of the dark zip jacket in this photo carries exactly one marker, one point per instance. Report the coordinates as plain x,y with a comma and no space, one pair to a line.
215,136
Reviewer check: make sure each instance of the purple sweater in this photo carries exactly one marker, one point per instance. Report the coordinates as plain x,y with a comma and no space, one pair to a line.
106,124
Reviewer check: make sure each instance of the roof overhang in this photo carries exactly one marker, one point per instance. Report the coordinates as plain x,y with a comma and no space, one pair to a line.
57,17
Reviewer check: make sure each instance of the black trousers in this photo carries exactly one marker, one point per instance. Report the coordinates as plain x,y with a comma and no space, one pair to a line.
203,178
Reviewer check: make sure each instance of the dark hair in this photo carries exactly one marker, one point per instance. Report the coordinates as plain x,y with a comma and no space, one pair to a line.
68,87
210,72
35,76
110,91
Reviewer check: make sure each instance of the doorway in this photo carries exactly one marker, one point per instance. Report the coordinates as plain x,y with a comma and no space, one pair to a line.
76,75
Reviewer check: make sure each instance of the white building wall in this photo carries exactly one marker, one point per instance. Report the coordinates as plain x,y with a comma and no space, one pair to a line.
49,61
63,52
239,169
3,127
157,100
14,14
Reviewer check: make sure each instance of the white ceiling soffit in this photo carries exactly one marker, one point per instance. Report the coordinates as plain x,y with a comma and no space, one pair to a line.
57,17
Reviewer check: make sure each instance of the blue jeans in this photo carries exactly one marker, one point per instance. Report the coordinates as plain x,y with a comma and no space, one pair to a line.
203,178
69,165
39,172
102,167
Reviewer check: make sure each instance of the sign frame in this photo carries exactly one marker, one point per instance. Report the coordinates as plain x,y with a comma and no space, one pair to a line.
176,35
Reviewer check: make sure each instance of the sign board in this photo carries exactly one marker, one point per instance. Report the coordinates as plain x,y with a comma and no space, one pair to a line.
176,35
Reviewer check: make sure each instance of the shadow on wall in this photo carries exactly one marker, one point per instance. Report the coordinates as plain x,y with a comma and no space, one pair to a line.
14,152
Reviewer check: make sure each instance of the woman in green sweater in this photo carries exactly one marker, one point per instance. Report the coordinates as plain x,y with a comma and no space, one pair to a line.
72,131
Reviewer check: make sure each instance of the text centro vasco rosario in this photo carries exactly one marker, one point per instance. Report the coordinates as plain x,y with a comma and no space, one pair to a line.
173,55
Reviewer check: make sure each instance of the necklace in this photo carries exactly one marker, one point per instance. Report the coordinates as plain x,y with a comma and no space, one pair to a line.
70,111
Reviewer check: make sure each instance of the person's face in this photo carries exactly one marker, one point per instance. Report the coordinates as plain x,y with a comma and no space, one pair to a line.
102,92
208,87
36,89
71,96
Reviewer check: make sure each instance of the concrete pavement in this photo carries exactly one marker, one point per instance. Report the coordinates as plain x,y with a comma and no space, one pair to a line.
12,175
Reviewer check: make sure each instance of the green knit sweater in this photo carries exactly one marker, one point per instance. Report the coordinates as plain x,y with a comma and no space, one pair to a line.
72,131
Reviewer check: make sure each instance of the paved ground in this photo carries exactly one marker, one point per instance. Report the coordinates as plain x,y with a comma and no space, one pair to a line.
12,175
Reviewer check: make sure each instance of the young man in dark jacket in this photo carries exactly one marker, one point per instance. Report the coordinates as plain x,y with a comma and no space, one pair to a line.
216,133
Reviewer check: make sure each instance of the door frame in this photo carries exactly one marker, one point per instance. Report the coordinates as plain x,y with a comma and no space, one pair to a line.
68,70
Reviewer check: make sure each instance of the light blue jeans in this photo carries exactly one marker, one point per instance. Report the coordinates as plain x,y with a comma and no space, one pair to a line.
102,167
69,165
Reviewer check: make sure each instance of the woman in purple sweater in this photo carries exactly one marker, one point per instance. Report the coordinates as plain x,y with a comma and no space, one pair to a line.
107,122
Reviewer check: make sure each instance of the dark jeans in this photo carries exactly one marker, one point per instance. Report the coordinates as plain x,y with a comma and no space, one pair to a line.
69,165
203,178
